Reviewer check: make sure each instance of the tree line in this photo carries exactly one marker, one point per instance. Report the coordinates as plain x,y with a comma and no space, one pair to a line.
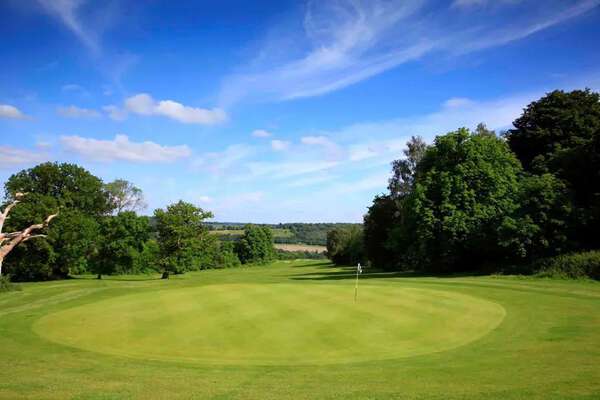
474,200
97,229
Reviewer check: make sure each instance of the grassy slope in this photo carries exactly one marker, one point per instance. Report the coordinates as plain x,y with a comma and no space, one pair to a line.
547,346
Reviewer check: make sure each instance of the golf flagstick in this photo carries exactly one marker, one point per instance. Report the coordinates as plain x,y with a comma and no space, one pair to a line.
358,271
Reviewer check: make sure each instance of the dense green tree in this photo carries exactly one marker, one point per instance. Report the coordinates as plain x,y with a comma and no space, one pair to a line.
74,237
379,221
124,196
345,246
226,256
69,185
539,226
71,237
466,185
123,237
255,245
560,134
182,237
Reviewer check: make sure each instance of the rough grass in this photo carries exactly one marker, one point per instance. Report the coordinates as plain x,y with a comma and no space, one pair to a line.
300,247
291,330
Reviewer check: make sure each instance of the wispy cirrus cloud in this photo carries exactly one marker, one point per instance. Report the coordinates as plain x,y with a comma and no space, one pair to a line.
122,149
349,41
68,13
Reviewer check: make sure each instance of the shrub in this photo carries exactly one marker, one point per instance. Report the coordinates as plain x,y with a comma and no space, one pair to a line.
6,285
575,265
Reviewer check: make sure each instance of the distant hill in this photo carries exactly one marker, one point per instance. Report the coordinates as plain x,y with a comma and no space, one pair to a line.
293,233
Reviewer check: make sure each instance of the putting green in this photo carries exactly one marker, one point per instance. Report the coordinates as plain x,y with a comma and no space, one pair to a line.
274,324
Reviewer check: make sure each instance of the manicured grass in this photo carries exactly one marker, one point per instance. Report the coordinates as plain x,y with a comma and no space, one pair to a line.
292,330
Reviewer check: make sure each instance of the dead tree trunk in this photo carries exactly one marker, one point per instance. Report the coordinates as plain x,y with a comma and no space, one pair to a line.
9,241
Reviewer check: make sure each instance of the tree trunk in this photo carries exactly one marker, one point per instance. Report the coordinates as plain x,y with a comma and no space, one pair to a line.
99,276
165,275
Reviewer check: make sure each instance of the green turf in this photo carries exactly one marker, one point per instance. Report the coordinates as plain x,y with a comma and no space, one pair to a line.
292,330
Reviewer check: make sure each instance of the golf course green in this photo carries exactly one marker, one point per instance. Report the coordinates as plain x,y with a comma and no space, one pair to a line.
293,330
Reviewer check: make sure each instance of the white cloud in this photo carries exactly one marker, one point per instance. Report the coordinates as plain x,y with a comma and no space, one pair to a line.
121,148
205,199
8,111
115,113
77,112
144,104
456,102
11,157
280,145
261,133
348,41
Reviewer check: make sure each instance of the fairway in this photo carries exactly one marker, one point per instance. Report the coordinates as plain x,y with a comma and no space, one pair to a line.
292,330
274,324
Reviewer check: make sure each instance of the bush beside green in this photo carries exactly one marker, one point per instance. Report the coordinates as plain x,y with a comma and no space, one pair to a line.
574,265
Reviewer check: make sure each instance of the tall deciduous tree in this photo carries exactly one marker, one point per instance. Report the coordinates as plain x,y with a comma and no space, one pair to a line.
183,239
467,183
403,170
560,134
125,196
80,197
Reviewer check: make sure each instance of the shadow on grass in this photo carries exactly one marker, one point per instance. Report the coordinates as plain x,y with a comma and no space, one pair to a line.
320,264
115,278
350,273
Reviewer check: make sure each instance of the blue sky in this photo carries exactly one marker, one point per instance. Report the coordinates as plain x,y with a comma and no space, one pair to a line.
273,111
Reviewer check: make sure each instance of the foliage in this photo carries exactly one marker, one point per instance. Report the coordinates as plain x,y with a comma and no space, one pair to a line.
298,255
255,245
80,199
226,255
182,238
466,185
124,196
560,134
403,170
149,258
574,265
6,285
122,241
73,236
71,186
378,222
538,227
345,245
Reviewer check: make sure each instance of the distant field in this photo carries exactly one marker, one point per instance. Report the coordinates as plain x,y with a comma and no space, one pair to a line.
300,247
277,233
